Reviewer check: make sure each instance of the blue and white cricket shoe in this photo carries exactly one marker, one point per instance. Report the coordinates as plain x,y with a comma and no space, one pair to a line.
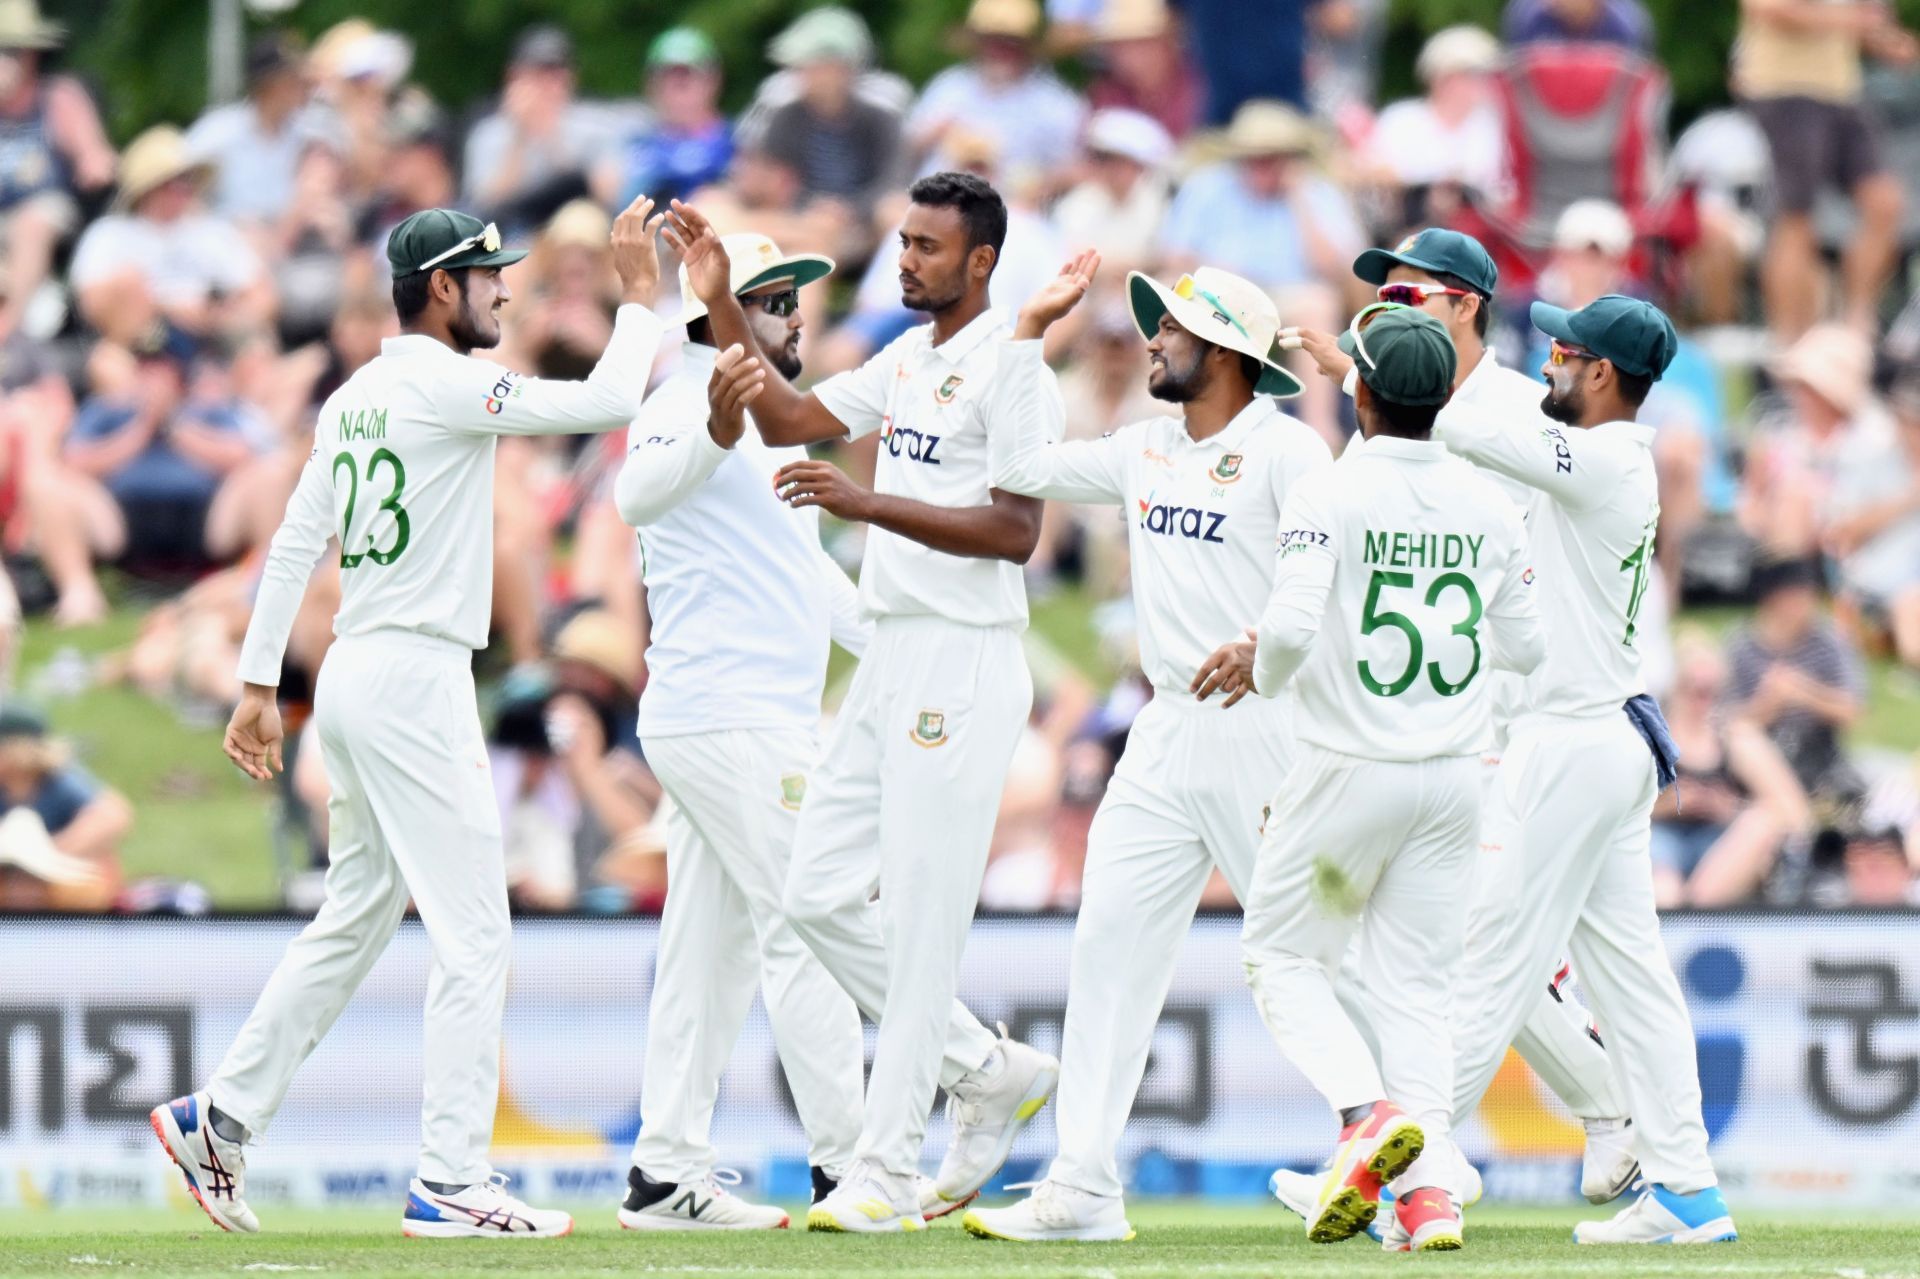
215,1168
1299,1193
483,1210
1660,1215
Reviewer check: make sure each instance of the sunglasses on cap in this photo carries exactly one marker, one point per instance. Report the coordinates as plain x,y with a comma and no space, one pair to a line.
782,304
1187,290
1559,352
487,237
1416,294
1362,318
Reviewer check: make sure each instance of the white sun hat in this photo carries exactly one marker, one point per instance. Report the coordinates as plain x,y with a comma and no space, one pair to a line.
1218,307
756,261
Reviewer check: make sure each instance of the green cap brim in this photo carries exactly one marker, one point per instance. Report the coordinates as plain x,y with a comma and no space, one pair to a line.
802,268
499,257
1554,321
1149,299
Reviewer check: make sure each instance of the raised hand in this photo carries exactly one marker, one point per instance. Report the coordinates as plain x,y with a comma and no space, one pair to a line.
634,255
708,271
254,735
1323,348
1058,296
737,381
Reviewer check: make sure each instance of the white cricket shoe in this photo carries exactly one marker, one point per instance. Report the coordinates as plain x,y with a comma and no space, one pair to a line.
694,1205
868,1201
1609,1167
989,1108
483,1210
1299,1192
1661,1216
1053,1212
215,1168
932,1206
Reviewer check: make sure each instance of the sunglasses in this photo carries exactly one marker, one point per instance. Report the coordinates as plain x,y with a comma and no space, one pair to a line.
1362,318
782,304
488,238
1559,353
1416,294
1186,290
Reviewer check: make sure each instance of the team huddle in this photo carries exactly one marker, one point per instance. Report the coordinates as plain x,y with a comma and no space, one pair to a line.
1397,705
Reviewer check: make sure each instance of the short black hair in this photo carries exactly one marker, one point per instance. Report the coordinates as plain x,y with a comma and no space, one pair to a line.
410,291
1410,421
1633,386
1482,317
978,204
1251,368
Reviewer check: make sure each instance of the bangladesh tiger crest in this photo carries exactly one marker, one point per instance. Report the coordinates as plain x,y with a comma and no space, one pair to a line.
793,789
1227,469
943,394
930,730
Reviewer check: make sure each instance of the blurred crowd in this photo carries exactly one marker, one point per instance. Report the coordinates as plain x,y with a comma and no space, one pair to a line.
171,312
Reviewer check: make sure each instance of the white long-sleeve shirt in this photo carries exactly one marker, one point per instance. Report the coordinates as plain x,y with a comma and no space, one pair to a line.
1202,515
743,600
1402,580
1592,519
402,475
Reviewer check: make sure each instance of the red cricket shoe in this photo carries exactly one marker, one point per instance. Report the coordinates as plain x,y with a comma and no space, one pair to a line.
1372,1152
1428,1220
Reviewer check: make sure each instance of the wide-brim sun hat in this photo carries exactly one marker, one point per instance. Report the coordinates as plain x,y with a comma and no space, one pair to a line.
1219,307
1263,127
22,27
755,262
154,159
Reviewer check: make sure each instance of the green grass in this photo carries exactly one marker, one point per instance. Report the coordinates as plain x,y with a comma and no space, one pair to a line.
1175,1239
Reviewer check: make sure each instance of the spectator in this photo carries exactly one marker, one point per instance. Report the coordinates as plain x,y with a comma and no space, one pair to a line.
1878,871
1797,67
1873,530
159,459
417,174
848,149
1141,67
1265,214
762,189
1620,22
1723,156
1242,60
1344,39
1795,677
254,145
1827,378
55,157
687,143
1004,94
160,257
533,154
360,72
1719,829
60,830
1452,138
1121,205
875,86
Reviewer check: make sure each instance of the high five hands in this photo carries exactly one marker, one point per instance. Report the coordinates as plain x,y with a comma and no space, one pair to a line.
1058,296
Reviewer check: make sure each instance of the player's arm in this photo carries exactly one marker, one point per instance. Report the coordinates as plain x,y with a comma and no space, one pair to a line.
668,459
1516,637
1303,576
254,736
1570,465
851,629
1029,457
783,415
1006,528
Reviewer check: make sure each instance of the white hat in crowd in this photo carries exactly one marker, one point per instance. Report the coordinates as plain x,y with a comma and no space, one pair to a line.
1133,134
1594,224
1457,50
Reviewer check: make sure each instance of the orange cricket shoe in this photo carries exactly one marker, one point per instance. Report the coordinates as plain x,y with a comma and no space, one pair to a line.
1373,1151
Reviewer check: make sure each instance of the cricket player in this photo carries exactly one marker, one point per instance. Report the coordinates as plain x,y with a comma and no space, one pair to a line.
905,797
1204,494
1402,580
401,475
1451,277
745,605
1569,829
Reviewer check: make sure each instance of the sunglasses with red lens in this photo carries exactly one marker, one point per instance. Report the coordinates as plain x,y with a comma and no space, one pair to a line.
1416,294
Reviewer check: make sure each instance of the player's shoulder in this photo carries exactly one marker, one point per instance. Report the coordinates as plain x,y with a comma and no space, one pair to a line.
1288,436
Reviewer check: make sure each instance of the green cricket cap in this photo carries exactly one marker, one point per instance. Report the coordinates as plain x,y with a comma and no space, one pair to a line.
1637,336
1435,250
1404,356
447,239
681,47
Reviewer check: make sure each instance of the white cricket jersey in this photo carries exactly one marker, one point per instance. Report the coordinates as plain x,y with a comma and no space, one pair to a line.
402,474
945,432
1202,515
743,601
1595,508
1402,581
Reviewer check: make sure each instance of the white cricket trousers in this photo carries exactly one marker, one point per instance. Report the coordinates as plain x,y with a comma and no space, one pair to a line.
1566,870
1189,794
1381,849
904,802
737,795
412,814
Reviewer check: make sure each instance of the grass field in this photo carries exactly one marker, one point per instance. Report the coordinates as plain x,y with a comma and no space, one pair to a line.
1175,1239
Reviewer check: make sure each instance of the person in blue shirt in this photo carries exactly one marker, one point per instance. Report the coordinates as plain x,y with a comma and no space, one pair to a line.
60,830
687,143
1619,22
